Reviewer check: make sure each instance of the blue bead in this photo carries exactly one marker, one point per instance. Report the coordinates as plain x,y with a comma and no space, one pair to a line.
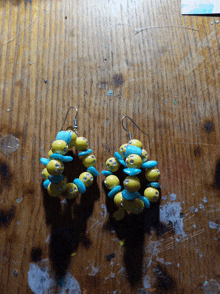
149,164
61,157
55,179
132,171
120,159
84,153
92,170
132,150
114,191
146,201
65,136
154,185
80,185
107,173
46,183
130,196
45,161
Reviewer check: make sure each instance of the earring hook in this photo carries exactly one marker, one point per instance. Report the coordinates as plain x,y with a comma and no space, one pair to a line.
75,122
129,133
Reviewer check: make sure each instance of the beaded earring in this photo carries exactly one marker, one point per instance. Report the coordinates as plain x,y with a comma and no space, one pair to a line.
52,175
134,158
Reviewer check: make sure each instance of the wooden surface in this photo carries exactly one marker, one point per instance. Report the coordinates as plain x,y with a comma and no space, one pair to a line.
55,54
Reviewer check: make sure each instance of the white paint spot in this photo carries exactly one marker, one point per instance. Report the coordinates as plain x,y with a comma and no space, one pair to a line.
213,225
146,282
178,265
8,110
40,282
194,226
205,200
164,197
48,239
170,212
211,287
196,210
105,210
71,286
161,260
94,270
199,253
172,197
201,206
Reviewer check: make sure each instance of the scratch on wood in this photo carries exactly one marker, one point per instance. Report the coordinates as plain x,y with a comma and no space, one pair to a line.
162,27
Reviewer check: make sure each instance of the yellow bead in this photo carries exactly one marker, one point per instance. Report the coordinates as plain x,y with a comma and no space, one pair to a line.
152,175
61,186
111,182
151,194
89,160
122,150
55,167
112,164
118,199
86,178
132,184
127,204
133,161
50,153
119,214
137,206
59,147
135,142
73,139
81,143
45,174
72,190
52,191
144,155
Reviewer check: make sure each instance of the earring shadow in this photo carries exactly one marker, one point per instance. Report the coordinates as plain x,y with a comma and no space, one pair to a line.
68,225
132,229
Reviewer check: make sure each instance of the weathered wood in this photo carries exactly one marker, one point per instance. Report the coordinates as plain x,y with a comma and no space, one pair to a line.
163,69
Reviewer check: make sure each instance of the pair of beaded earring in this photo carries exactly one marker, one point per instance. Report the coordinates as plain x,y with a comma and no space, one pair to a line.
52,175
131,155
134,159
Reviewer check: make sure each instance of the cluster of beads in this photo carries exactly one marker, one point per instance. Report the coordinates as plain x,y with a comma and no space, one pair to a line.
52,175
134,159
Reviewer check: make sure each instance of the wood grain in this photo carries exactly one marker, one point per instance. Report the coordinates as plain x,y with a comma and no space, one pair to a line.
59,53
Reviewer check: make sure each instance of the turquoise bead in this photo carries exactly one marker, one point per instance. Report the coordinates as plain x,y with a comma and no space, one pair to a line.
107,173
61,157
149,164
114,191
132,171
132,150
84,153
154,185
45,161
92,170
46,183
130,196
146,202
120,159
56,179
64,136
80,185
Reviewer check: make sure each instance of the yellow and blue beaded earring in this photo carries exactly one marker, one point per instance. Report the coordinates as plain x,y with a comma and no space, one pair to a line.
134,158
52,175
